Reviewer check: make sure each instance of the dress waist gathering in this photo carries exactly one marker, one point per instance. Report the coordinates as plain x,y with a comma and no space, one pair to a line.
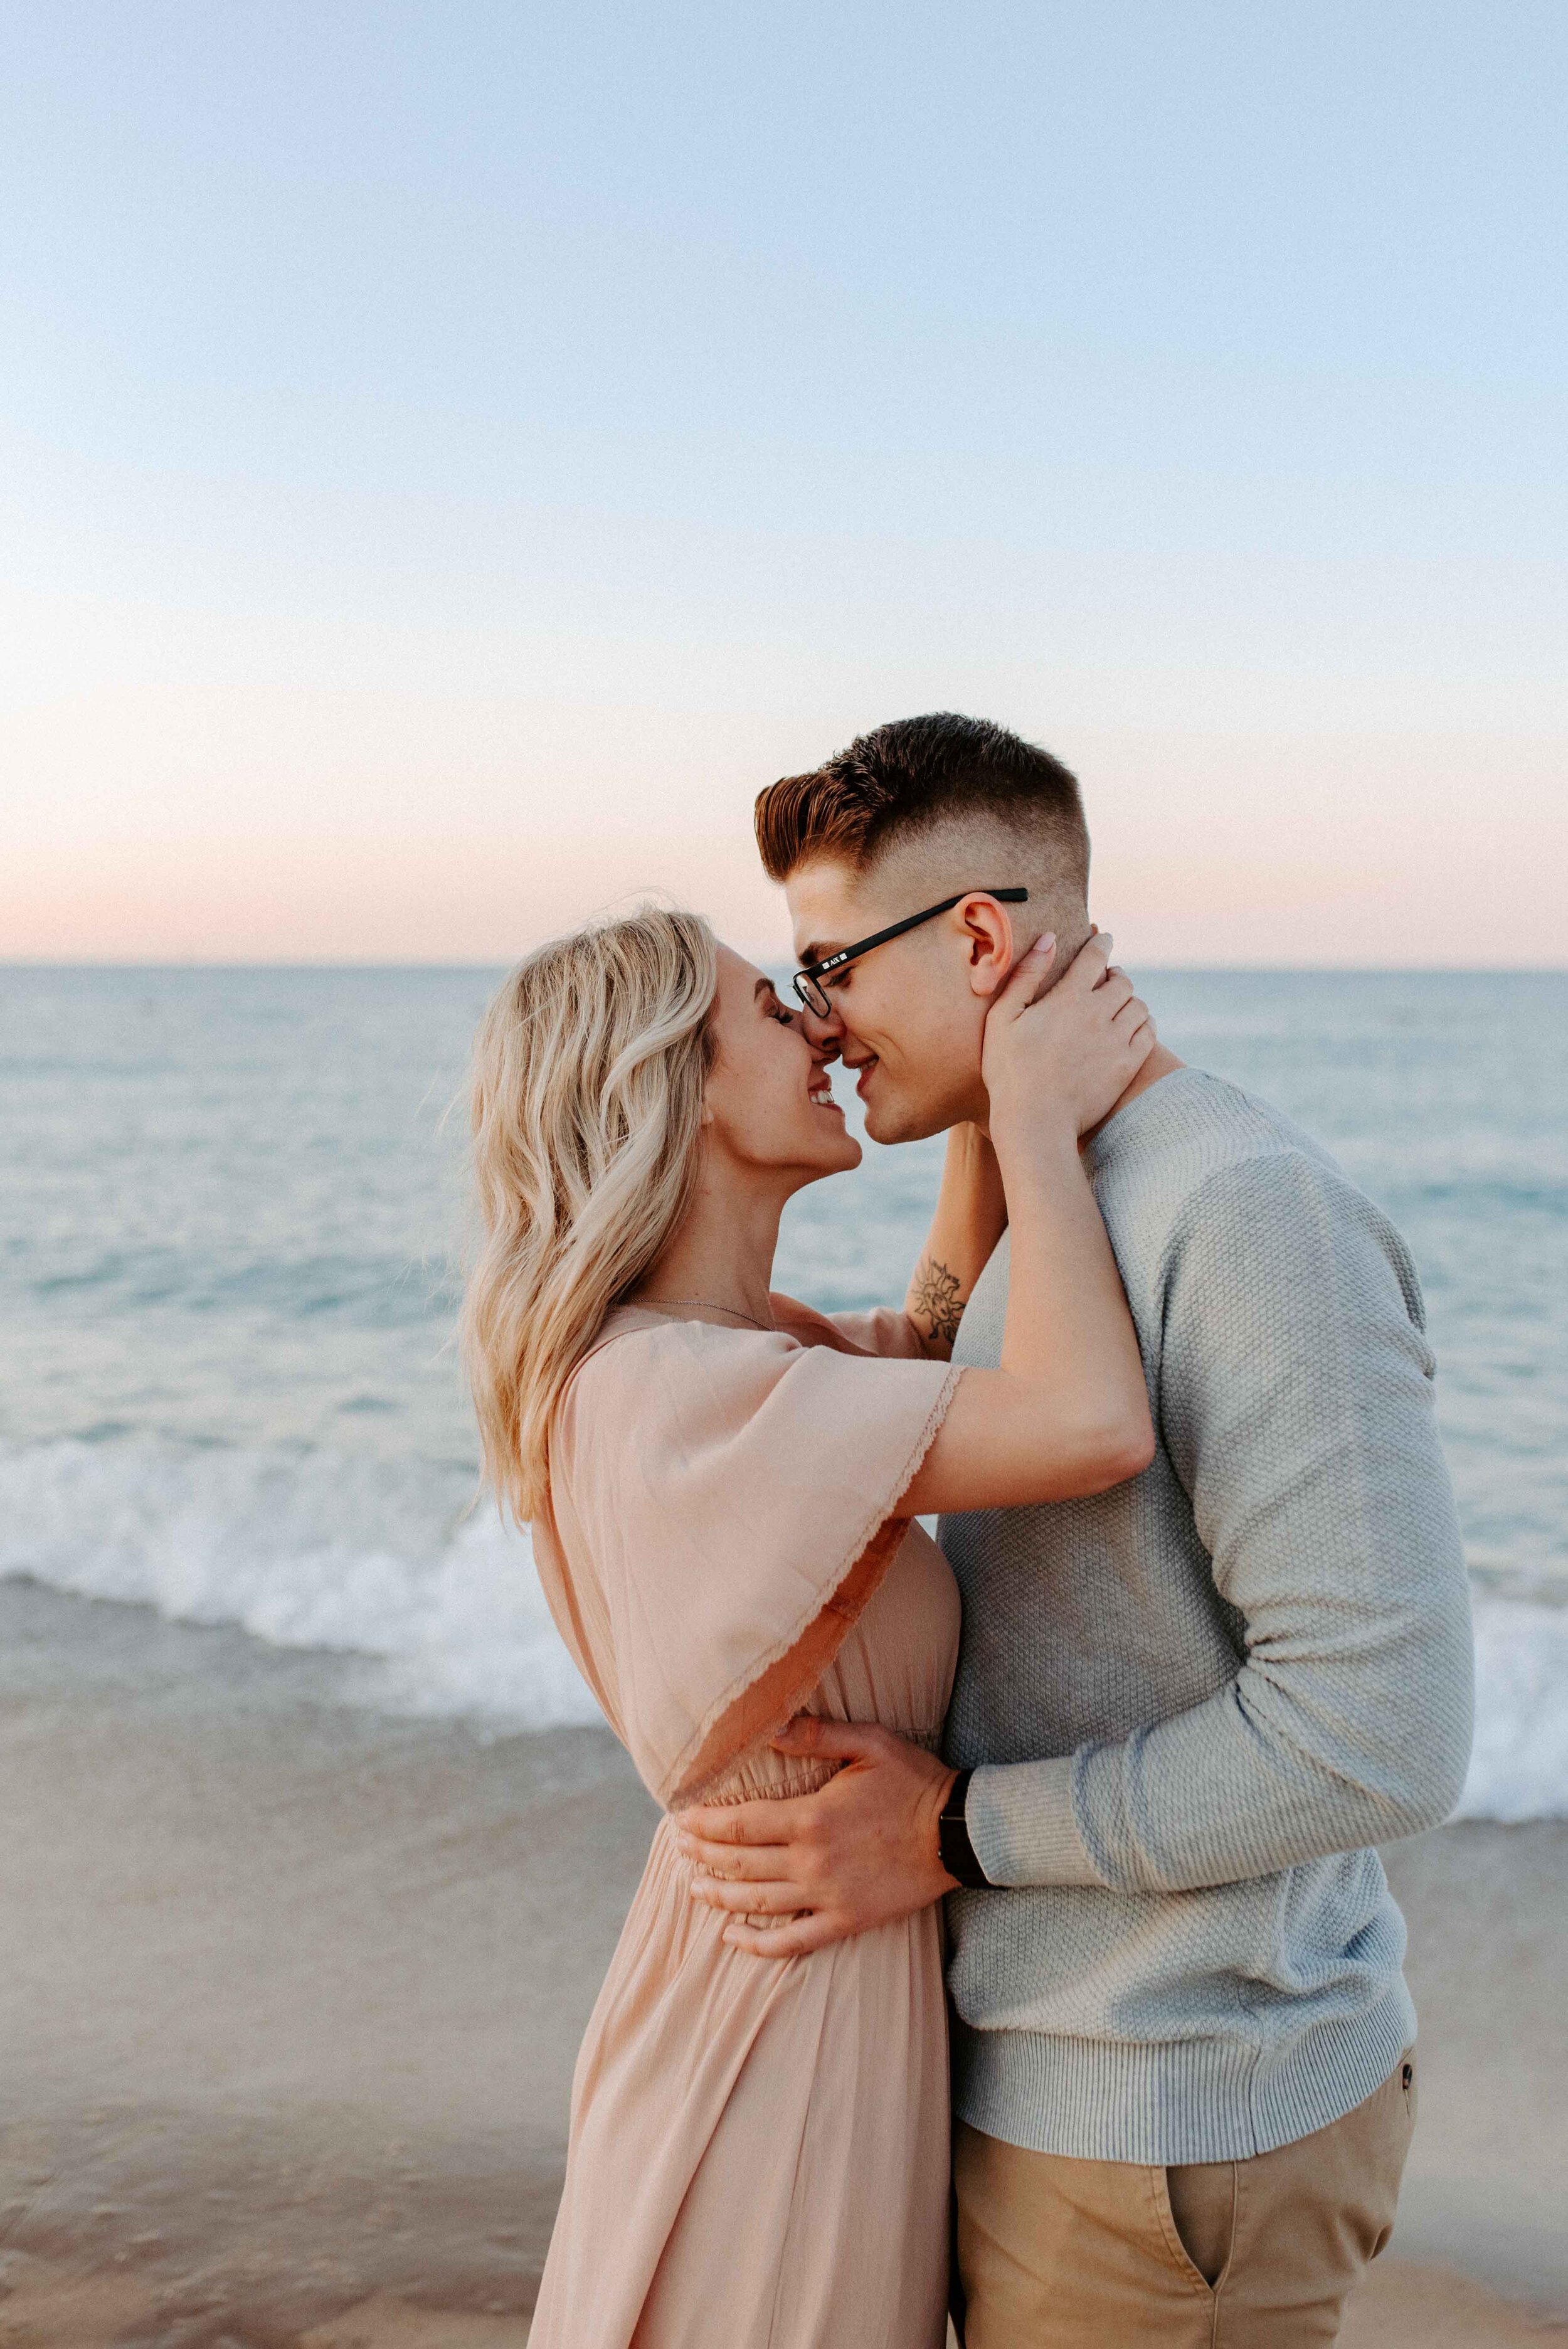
765,1775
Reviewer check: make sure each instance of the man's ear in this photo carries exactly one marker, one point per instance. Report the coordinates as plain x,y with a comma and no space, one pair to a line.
988,935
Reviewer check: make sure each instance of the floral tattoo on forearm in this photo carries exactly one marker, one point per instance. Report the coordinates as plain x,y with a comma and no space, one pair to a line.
938,1300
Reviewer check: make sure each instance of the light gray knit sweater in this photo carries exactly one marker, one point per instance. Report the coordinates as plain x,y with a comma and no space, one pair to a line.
1202,1697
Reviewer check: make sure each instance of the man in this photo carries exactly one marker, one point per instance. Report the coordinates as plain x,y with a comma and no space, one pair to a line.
1185,1711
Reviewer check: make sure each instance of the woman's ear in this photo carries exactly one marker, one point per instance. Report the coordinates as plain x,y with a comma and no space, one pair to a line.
989,932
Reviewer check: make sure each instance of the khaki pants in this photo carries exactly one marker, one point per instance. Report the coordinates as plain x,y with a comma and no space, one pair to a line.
1260,2254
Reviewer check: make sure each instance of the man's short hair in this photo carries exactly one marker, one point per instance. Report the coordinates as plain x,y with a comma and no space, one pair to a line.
911,776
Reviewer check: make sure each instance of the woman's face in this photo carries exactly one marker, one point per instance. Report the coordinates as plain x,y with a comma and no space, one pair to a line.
768,1094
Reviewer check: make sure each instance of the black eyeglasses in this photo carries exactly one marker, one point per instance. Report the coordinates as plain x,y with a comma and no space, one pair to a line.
815,997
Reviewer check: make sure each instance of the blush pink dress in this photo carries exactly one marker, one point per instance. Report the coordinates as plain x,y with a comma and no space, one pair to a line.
758,2153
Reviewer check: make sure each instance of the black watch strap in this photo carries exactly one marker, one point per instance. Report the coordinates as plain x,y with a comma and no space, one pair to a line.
953,1836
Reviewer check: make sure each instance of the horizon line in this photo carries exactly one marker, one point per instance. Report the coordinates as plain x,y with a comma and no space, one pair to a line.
346,963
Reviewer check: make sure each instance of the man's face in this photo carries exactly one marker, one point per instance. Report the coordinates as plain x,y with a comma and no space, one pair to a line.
909,1017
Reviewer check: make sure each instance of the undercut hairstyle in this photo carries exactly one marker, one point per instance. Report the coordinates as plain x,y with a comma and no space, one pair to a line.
912,777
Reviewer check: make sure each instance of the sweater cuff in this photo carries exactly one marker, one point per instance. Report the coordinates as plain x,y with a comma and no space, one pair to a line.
1021,1826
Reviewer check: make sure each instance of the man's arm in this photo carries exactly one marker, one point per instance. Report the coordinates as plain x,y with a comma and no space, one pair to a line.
1296,1407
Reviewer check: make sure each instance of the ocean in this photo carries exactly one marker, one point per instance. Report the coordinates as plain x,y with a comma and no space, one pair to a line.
231,1206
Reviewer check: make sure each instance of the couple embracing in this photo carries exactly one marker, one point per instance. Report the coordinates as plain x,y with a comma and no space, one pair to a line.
1101,1769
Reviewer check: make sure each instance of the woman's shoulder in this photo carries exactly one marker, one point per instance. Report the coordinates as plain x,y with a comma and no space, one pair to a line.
629,1330
660,1361
652,1388
655,1390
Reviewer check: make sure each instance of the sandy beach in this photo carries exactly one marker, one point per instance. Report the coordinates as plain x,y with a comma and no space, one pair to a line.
291,1989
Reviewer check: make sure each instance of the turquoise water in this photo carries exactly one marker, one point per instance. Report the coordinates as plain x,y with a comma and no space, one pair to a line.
230,1203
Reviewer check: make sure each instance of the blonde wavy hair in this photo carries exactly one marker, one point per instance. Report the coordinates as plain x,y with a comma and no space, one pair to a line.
588,1074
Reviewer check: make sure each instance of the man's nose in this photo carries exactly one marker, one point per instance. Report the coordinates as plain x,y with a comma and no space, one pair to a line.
824,1036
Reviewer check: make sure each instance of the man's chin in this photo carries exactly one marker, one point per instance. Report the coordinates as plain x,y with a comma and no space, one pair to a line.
896,1120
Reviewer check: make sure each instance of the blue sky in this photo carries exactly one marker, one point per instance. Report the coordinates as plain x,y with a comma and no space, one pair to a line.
452,456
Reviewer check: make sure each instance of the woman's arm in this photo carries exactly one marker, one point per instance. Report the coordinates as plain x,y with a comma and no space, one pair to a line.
1068,1412
970,1217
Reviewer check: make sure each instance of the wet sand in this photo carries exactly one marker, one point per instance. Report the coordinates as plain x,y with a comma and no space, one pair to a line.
290,1992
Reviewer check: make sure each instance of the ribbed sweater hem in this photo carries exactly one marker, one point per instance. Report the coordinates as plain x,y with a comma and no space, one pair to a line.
1219,2099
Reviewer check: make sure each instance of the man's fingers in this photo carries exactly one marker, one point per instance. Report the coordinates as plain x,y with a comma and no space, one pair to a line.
835,1741
782,1822
758,1822
749,1900
754,1863
794,1941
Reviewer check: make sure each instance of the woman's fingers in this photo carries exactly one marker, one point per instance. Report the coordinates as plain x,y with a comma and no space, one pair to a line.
1023,982
1090,966
1090,973
1068,1055
1086,974
1114,989
1134,1027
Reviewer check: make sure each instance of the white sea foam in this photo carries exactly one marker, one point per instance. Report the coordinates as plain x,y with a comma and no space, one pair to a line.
1519,1769
337,1551
307,1549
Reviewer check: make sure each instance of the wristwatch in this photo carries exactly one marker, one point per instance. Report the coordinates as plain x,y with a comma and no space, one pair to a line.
958,1853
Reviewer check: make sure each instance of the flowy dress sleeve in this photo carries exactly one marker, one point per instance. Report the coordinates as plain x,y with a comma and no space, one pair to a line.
723,1504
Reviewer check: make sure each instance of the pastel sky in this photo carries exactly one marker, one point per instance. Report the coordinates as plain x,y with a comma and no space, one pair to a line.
451,454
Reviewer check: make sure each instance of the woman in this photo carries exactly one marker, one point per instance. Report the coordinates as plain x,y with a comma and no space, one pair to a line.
723,1486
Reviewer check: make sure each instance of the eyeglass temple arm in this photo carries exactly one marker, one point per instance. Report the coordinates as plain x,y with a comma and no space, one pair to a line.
910,922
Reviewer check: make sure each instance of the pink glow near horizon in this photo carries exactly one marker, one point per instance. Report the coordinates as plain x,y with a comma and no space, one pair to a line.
222,820
1349,851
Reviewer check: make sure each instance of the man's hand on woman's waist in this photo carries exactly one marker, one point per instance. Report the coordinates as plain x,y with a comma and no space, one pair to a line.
863,1850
